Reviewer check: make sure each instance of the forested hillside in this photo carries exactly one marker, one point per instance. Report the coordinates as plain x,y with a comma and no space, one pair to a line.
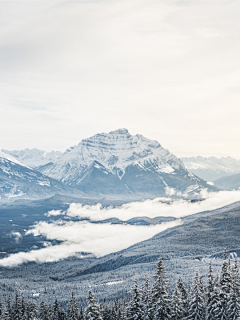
218,298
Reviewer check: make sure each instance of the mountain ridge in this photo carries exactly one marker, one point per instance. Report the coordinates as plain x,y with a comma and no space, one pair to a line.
139,166
33,157
212,168
18,182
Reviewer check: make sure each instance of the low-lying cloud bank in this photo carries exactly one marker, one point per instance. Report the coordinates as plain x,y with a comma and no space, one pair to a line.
152,208
83,236
104,238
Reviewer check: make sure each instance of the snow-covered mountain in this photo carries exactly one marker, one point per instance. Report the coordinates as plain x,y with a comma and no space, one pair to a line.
33,158
123,164
18,182
228,182
212,168
6,156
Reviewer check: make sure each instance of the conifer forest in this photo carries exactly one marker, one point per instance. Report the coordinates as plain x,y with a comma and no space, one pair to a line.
216,299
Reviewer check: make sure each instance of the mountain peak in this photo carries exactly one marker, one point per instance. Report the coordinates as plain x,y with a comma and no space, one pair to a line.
119,131
123,163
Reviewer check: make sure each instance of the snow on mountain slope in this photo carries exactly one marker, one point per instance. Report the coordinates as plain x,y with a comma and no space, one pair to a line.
116,151
17,181
10,158
228,182
212,168
137,164
33,157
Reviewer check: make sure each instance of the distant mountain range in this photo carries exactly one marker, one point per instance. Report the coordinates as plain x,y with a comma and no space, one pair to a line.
212,168
115,164
33,157
229,182
18,181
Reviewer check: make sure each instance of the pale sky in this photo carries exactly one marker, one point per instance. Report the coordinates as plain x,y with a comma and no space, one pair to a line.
169,70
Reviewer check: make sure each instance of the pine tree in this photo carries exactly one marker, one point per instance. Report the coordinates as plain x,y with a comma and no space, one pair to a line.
56,310
5,315
214,304
145,299
134,310
233,306
32,310
235,277
233,303
225,287
92,310
45,312
1,308
23,308
177,309
196,310
225,276
8,311
73,311
182,290
106,314
202,289
17,307
209,295
81,314
161,301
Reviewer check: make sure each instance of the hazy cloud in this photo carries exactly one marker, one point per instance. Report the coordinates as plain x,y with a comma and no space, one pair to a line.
15,235
164,69
99,239
104,238
155,208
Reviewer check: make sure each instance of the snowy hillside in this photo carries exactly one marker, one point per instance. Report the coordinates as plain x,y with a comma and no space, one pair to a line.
17,182
120,163
212,168
33,157
6,156
228,182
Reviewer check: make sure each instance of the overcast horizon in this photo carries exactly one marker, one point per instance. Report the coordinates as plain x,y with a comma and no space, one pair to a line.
167,70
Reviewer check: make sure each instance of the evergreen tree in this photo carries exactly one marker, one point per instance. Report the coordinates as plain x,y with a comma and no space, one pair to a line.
81,314
73,311
146,299
202,289
8,312
134,310
23,308
225,276
233,303
32,310
45,312
182,290
161,302
106,314
213,304
225,287
235,277
209,295
233,306
5,315
92,310
177,309
56,310
196,310
1,309
17,307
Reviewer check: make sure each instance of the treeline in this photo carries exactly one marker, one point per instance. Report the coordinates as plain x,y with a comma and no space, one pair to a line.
218,299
